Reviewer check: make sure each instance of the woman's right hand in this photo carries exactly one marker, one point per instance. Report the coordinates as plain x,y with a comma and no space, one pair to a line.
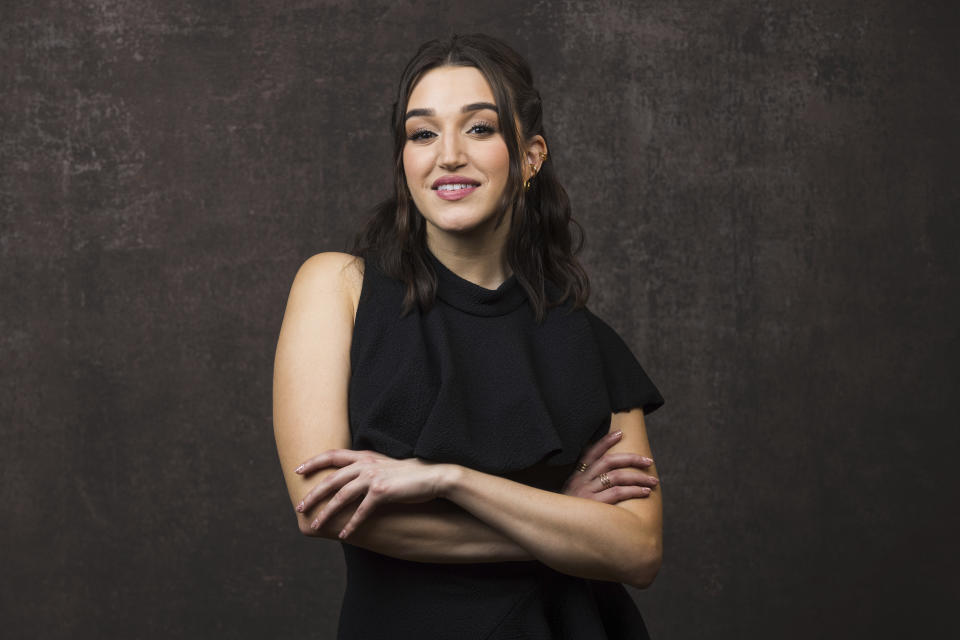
623,479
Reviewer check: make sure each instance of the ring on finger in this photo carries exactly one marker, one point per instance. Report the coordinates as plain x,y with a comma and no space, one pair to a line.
605,481
582,467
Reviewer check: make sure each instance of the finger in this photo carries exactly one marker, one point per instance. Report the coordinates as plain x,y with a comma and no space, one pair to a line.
339,458
347,494
330,457
335,480
364,509
619,461
599,447
591,464
606,463
613,495
625,477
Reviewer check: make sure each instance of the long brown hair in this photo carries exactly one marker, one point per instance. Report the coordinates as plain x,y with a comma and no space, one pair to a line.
539,244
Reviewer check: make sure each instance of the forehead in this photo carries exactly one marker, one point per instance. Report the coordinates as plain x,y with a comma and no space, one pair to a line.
449,88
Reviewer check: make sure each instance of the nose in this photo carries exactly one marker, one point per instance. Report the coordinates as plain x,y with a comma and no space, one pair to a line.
450,154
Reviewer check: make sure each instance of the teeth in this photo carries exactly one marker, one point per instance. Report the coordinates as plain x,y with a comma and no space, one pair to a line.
453,187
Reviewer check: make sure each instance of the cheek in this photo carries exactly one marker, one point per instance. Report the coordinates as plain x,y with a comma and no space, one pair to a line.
413,173
496,160
413,162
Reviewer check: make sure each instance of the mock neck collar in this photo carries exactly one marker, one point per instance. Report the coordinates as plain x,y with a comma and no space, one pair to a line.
472,298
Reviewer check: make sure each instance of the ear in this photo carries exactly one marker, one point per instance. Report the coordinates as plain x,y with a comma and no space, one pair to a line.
532,156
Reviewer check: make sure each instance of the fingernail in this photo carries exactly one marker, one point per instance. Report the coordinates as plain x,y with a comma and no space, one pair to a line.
654,480
647,460
618,434
300,507
645,490
315,524
299,469
342,534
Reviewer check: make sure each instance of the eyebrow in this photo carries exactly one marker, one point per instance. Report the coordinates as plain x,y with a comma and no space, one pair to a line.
467,108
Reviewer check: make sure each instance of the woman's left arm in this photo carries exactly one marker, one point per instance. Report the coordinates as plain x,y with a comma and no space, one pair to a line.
622,542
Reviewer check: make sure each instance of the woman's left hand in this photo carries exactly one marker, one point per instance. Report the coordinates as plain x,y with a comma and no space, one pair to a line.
376,477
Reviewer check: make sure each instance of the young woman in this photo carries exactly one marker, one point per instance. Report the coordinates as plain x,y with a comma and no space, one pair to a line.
447,406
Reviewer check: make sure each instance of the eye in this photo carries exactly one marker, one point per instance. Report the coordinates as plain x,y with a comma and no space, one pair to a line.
483,128
420,134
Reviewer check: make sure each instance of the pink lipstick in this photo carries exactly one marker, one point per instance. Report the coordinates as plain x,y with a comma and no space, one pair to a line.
453,187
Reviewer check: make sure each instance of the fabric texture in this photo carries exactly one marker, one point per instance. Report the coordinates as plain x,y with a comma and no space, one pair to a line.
475,381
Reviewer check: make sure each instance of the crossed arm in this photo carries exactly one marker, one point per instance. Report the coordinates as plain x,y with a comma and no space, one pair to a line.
432,512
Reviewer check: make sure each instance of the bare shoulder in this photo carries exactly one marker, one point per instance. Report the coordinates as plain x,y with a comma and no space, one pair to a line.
327,272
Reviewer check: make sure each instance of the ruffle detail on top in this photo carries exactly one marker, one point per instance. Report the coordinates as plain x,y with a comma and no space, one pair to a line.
474,381
628,385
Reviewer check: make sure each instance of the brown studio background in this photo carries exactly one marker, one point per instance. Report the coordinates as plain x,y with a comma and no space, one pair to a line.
770,196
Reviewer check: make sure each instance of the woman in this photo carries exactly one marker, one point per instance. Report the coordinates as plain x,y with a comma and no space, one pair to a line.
444,402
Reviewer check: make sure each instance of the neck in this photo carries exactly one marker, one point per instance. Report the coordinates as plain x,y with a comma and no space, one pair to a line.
480,259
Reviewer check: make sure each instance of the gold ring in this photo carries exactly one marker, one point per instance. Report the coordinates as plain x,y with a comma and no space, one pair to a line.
605,481
582,467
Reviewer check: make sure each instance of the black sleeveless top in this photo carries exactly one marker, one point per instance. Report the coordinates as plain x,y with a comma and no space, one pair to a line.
475,381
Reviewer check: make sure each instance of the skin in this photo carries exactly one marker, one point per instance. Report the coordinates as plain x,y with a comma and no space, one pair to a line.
587,530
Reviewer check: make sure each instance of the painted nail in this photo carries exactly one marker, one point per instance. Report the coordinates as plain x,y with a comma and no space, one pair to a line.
300,507
342,534
299,469
618,434
654,480
315,524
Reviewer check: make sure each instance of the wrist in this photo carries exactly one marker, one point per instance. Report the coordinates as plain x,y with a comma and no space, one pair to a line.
450,477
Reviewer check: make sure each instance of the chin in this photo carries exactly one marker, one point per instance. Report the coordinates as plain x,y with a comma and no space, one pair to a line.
459,223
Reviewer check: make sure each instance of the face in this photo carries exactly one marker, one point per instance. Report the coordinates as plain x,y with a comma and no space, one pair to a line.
453,133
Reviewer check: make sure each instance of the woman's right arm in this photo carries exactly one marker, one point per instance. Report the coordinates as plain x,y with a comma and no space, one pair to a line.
310,415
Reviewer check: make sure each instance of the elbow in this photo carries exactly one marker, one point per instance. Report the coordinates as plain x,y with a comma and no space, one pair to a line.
646,569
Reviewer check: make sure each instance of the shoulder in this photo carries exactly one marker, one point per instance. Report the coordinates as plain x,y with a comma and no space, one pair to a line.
597,324
330,274
601,328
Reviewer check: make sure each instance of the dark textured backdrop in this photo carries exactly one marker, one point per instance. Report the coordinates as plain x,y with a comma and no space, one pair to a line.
771,200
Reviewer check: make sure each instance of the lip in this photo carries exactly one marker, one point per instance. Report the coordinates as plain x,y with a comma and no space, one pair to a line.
456,194
453,179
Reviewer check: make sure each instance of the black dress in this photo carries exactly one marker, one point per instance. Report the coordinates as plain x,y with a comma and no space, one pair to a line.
475,381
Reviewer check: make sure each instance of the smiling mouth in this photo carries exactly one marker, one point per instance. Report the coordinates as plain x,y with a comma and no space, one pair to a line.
455,187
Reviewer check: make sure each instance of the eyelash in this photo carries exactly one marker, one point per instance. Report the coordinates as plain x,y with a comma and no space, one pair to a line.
489,128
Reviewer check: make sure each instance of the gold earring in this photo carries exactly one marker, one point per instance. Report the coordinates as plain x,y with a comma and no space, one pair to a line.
526,185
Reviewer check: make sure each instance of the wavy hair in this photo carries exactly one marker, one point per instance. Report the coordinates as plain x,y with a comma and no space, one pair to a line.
539,245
